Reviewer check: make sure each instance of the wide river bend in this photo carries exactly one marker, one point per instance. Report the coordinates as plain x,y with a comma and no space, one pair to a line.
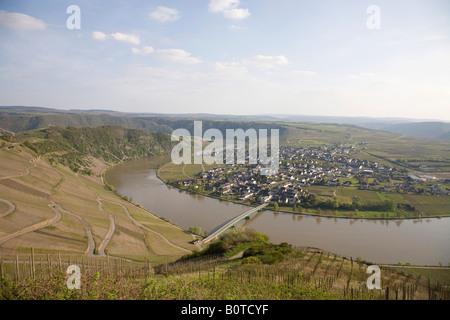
421,242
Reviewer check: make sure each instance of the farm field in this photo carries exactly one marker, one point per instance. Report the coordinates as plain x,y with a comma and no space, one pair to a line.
384,147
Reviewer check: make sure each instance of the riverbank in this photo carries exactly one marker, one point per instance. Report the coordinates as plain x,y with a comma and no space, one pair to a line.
344,215
407,240
127,198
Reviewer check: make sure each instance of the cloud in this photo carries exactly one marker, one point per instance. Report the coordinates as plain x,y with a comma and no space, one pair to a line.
20,21
145,50
165,14
170,55
236,13
222,5
176,55
130,38
234,68
97,35
229,9
259,62
267,62
122,37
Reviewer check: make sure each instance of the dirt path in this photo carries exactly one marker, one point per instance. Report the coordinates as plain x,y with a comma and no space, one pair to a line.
112,228
11,209
91,244
36,226
137,223
184,173
237,256
10,132
159,170
27,171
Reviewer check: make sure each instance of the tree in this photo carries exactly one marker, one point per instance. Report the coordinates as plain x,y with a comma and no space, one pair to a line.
196,230
276,207
356,202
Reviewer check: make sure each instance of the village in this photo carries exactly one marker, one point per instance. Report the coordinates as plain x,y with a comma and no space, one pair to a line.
303,167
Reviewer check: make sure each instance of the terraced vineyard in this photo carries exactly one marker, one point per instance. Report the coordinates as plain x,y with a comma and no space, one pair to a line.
56,210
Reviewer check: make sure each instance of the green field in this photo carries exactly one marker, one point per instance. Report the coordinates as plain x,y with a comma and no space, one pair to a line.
383,147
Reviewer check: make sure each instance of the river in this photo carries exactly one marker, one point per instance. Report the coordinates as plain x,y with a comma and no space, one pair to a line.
420,242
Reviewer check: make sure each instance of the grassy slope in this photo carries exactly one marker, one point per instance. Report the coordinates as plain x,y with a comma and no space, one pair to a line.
33,190
301,274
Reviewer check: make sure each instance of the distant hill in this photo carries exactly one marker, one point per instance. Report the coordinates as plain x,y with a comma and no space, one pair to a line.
23,121
19,119
23,118
439,130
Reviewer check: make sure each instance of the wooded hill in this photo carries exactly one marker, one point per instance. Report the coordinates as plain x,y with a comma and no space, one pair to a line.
72,146
19,119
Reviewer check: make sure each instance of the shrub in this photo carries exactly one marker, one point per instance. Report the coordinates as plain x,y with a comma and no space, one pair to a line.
269,253
272,257
218,247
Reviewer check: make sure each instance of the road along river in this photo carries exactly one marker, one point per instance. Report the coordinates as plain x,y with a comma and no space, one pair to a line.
421,242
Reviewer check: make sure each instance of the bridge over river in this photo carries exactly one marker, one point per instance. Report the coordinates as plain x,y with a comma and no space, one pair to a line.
232,222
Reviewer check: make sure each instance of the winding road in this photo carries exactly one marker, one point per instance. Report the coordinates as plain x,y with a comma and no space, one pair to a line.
36,226
112,228
27,170
10,132
91,244
137,223
11,209
58,210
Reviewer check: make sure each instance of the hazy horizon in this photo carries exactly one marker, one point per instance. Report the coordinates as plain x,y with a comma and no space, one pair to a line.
280,116
229,57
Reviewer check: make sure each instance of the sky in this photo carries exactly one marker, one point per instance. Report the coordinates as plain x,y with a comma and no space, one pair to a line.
377,58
